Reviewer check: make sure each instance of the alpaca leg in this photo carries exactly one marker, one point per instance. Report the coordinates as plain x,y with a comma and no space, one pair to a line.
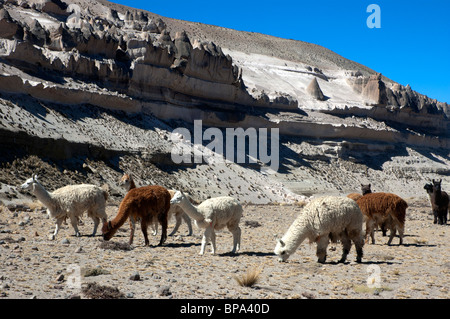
188,222
163,221
400,233
96,222
441,217
59,221
205,239
236,239
177,224
370,231
322,244
154,225
346,246
132,229
392,234
213,242
435,215
144,226
74,222
359,243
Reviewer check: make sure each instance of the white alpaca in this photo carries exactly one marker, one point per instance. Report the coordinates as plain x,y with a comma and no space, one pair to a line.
325,218
127,183
213,213
71,202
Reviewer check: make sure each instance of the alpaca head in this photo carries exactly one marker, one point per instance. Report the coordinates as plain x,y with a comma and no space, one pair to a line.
366,189
437,185
108,231
125,181
29,183
280,251
177,198
428,187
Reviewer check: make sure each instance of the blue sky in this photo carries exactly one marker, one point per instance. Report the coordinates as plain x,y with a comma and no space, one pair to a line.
411,47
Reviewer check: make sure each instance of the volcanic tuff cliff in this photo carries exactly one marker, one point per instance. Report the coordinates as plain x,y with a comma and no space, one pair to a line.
92,80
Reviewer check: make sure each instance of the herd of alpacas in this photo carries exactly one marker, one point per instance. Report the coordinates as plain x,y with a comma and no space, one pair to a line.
323,219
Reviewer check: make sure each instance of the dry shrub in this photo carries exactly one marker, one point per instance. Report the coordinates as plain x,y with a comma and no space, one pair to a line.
113,245
97,271
250,278
95,291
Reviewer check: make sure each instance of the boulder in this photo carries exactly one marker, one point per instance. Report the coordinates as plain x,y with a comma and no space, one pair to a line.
314,90
9,29
55,7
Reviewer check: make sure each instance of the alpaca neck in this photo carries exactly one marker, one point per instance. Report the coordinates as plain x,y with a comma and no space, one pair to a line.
296,234
121,216
43,196
191,210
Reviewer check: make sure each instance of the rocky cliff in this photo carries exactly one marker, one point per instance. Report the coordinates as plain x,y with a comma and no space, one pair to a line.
102,82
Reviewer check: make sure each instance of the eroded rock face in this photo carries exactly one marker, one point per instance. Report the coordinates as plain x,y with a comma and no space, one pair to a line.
375,89
129,52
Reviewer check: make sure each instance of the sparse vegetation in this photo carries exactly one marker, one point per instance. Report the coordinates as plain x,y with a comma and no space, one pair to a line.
250,278
97,271
95,291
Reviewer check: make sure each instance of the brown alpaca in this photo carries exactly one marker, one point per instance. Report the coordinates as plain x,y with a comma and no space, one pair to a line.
383,208
127,183
142,203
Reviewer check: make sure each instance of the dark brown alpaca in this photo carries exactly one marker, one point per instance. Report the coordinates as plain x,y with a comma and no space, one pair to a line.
142,203
439,202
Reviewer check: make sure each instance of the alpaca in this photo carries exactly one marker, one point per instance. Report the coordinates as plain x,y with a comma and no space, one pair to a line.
71,202
439,202
127,183
322,219
214,213
144,203
383,208
366,189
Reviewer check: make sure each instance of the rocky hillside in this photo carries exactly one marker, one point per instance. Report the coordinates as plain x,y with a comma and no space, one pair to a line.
90,89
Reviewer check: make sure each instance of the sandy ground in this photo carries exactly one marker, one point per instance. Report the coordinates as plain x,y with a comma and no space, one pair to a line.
32,266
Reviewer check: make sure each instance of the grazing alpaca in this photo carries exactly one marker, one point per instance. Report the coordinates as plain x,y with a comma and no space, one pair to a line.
127,183
439,202
213,213
71,202
322,219
383,208
144,203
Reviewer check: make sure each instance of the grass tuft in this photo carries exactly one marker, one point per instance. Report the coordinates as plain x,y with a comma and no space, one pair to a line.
250,278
